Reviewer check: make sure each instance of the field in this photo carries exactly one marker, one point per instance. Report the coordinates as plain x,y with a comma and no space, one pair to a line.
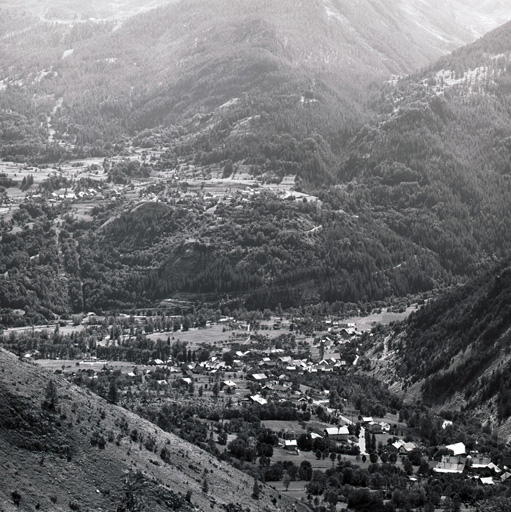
366,323
292,427
49,328
197,337
222,335
73,365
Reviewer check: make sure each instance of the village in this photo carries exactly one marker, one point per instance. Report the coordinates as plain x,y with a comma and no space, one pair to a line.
80,185
267,396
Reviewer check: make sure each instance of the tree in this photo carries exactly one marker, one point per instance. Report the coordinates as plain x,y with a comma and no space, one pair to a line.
51,398
131,501
407,466
286,480
423,468
16,498
113,394
305,470
256,490
304,442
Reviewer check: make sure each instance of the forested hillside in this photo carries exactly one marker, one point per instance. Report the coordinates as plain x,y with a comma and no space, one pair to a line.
264,254
437,164
456,349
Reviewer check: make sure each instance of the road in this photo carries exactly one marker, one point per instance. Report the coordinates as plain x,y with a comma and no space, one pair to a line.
362,441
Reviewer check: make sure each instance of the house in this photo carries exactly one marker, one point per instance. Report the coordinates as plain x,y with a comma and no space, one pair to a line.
505,476
493,467
385,426
487,481
455,459
403,448
259,377
228,384
457,448
258,399
337,433
479,462
450,464
290,444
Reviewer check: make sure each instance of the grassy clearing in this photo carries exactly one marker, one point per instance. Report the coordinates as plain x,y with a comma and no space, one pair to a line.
217,335
196,337
366,323
286,426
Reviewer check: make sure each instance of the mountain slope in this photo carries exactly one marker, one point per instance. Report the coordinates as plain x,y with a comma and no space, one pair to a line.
97,83
63,448
455,351
436,166
73,11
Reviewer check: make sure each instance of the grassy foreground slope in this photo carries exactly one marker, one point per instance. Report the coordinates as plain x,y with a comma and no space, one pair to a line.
68,449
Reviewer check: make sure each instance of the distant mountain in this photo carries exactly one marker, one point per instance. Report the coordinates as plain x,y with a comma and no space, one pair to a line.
63,448
294,68
454,352
72,11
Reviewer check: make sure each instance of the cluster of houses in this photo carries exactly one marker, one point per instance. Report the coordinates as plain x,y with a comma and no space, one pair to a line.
478,467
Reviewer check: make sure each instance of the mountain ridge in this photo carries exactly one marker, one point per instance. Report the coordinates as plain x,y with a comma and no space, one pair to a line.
89,66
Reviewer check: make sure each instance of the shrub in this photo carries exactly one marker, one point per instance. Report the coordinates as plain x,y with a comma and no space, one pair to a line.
16,498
